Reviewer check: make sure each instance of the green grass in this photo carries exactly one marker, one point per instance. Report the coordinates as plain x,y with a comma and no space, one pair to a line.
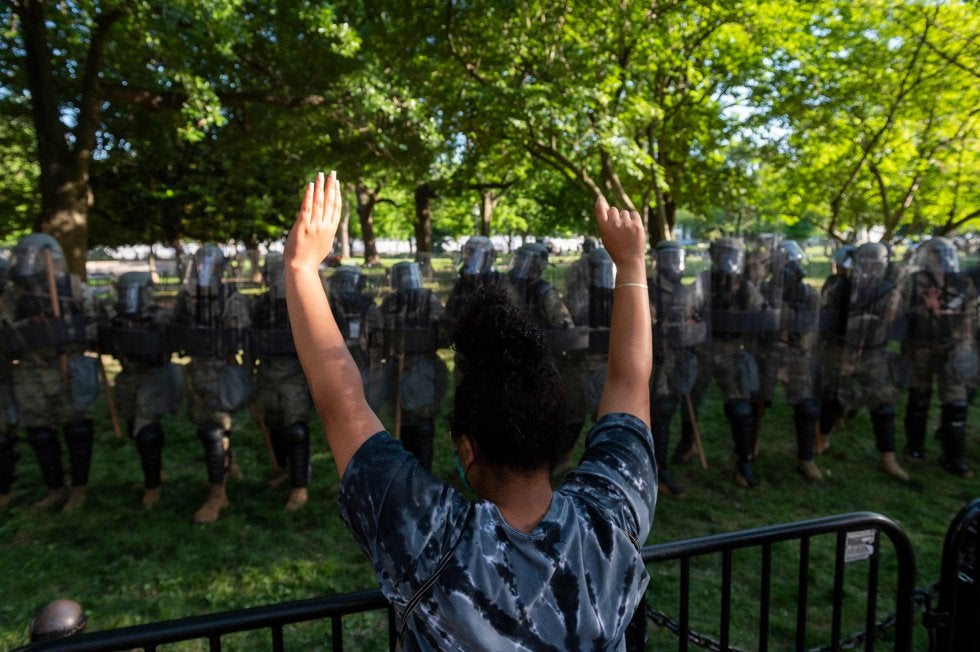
127,566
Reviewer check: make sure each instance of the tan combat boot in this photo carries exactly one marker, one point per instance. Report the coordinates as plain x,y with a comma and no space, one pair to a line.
151,496
282,477
297,498
54,498
211,509
76,498
810,470
889,465
4,501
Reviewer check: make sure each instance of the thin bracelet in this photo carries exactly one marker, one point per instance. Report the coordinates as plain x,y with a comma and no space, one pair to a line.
633,285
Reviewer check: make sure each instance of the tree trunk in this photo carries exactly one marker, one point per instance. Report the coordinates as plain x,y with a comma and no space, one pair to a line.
423,226
366,200
487,203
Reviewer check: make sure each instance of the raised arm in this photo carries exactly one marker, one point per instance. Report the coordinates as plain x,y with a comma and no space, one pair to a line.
331,372
630,339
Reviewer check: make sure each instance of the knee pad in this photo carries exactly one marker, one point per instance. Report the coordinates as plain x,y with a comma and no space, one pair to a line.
919,399
883,411
807,409
211,434
150,436
663,408
42,438
738,410
297,432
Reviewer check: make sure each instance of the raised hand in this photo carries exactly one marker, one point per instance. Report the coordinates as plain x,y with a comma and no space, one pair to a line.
311,238
622,233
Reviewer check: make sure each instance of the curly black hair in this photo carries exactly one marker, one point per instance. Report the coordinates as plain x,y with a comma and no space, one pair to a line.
509,399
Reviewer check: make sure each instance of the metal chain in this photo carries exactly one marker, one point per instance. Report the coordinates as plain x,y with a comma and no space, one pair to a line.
700,640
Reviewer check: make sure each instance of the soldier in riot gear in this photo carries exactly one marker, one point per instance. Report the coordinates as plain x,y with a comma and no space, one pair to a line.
589,297
835,297
417,376
940,344
282,402
861,372
527,287
679,313
359,319
148,386
476,269
739,314
46,313
789,357
211,323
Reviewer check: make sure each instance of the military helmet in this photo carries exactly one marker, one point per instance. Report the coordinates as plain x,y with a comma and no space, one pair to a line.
589,244
28,257
870,261
938,256
530,261
406,275
134,290
346,281
727,255
477,256
794,258
843,260
206,269
669,256
274,274
602,270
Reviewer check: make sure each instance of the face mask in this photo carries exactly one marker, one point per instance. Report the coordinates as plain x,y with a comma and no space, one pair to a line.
462,473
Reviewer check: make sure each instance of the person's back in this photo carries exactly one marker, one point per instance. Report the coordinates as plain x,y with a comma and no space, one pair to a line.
522,567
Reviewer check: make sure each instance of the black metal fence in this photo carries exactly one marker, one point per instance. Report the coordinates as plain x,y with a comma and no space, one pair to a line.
857,543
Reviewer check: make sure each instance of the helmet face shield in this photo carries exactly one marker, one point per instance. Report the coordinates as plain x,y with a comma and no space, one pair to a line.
529,262
132,292
601,269
670,261
477,256
29,258
727,257
406,276
795,259
870,264
206,269
274,275
346,281
938,255
843,261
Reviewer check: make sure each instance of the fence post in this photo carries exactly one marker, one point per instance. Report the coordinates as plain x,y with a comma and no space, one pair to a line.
958,612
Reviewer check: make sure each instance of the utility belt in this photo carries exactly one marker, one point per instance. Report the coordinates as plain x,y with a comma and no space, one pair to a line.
568,339
54,332
741,322
684,335
418,341
272,341
140,343
801,322
197,341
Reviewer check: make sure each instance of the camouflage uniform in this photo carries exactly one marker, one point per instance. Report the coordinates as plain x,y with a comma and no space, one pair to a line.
359,319
789,358
679,313
940,345
282,399
568,344
417,376
739,312
149,385
8,432
475,270
835,298
588,296
210,326
54,383
864,371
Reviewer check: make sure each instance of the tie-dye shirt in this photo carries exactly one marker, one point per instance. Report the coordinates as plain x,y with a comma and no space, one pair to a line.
572,583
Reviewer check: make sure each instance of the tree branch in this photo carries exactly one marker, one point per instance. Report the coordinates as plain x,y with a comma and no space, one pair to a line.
155,100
